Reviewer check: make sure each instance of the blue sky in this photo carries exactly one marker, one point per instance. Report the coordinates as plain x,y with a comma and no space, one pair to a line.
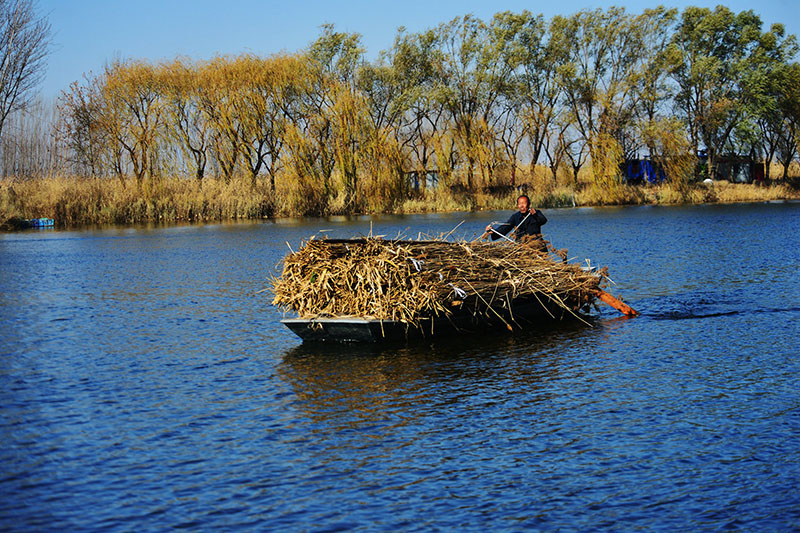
88,33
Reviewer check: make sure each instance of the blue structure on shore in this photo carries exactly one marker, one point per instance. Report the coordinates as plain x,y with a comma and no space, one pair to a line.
643,171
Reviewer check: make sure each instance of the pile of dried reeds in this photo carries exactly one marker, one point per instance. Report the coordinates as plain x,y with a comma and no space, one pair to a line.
409,280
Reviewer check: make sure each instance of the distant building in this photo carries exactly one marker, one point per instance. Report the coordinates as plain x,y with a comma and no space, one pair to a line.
416,178
733,168
636,171
738,169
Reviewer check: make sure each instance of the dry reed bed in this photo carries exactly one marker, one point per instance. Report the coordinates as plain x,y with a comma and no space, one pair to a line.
74,201
410,280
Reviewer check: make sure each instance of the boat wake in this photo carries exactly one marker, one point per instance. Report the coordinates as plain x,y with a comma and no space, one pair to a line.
690,306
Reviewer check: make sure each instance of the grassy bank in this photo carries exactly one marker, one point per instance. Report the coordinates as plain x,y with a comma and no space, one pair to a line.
82,201
86,201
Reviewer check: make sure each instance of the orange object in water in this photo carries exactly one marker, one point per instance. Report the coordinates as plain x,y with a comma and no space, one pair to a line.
622,307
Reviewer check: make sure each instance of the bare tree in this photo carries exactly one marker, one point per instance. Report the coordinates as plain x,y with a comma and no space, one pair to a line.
24,46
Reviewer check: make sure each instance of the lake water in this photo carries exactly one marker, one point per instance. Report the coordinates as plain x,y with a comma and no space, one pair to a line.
145,386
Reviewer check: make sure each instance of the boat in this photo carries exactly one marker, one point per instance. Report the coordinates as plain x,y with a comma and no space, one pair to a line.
17,223
374,290
369,330
40,223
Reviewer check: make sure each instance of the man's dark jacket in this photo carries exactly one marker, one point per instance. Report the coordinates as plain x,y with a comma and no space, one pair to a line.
531,226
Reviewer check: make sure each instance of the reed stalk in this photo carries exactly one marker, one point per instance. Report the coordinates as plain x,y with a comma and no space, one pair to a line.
407,281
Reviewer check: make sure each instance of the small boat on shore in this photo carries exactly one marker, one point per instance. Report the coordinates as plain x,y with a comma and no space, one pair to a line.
15,223
40,223
370,290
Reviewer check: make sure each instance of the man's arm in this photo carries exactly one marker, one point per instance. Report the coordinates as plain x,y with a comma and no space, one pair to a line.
503,228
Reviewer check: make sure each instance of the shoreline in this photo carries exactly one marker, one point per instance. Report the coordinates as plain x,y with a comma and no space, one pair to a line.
159,210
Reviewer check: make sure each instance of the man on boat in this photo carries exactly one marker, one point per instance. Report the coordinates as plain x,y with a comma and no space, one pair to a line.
526,224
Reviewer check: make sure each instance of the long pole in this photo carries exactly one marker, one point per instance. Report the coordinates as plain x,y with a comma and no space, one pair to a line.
514,230
622,307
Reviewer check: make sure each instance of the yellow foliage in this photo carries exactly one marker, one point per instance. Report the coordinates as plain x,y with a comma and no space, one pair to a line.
606,154
670,147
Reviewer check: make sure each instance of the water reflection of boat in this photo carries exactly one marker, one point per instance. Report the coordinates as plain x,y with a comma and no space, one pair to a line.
362,391
329,371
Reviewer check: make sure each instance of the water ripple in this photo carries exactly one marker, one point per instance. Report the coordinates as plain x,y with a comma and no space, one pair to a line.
144,387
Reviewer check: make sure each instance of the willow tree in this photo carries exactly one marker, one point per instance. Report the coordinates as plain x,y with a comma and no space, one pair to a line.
511,130
714,51
767,87
348,120
536,54
187,124
789,137
309,157
507,121
263,102
598,83
653,93
383,87
380,157
218,86
413,58
306,189
472,77
367,156
319,132
133,113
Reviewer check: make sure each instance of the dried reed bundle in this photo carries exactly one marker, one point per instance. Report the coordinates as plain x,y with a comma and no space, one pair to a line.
410,280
